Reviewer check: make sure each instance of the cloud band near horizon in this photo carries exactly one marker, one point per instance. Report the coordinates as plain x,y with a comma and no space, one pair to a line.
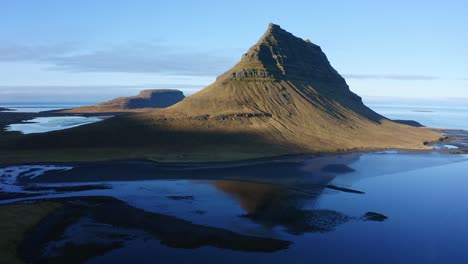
128,58
391,77
141,57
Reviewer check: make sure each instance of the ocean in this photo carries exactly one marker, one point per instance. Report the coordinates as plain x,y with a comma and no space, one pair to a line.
35,107
443,114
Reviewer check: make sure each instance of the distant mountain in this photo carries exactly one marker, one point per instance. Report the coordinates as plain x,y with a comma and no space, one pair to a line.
152,98
283,97
408,122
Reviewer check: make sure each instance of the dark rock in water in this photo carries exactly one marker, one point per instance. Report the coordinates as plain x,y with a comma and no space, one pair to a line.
443,138
154,98
342,189
372,216
409,123
77,188
180,197
4,109
11,195
338,168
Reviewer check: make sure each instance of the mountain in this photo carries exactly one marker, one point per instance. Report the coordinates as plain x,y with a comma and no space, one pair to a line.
152,98
283,97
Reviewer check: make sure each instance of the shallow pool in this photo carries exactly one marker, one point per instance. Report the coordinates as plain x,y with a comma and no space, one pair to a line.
46,124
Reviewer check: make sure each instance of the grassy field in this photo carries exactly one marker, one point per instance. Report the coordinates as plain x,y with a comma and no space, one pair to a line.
15,221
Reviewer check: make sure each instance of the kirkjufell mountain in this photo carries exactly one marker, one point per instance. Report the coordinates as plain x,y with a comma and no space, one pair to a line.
283,97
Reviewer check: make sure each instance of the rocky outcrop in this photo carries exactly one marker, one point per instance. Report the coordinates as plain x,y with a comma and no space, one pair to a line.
154,98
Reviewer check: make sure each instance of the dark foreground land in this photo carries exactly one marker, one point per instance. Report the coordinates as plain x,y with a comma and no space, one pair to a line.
126,221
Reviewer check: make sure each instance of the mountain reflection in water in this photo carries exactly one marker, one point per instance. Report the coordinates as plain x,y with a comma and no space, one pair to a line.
274,206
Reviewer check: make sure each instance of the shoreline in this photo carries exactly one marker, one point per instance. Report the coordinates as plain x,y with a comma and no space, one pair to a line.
141,169
255,159
214,162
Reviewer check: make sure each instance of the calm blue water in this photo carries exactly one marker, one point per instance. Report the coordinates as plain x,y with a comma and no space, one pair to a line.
39,107
46,124
426,207
431,114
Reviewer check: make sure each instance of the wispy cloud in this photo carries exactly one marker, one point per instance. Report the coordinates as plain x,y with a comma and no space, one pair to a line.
391,77
15,52
130,58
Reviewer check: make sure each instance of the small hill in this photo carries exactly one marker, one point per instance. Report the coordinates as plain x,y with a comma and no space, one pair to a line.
283,97
152,98
408,122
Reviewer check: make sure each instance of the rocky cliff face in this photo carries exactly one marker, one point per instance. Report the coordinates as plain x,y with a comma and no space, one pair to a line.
280,55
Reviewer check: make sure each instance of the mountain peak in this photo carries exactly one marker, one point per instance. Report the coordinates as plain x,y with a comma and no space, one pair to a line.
273,28
279,54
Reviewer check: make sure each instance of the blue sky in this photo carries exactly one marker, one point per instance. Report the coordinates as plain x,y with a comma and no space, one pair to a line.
96,50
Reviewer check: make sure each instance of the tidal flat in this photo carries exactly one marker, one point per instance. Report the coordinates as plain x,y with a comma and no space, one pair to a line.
287,209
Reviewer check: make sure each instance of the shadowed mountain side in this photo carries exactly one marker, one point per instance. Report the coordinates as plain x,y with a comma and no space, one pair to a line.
129,137
153,98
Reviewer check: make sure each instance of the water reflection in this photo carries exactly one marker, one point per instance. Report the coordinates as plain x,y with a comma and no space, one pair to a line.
273,206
